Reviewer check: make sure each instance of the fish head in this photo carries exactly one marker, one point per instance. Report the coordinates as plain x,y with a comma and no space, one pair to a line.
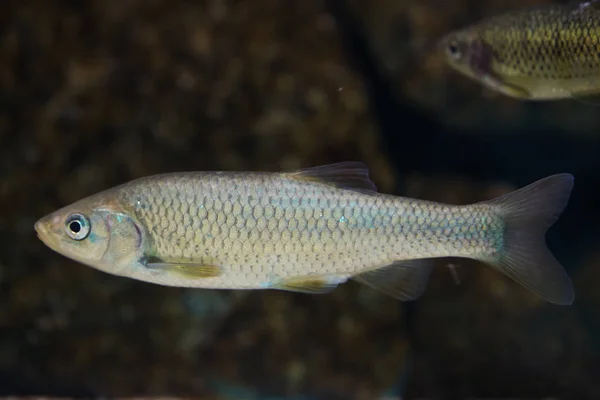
101,234
462,51
468,53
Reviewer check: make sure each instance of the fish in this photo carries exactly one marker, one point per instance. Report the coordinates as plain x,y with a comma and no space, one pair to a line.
305,230
545,52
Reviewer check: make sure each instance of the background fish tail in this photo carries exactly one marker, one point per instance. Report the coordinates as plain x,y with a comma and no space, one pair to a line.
528,213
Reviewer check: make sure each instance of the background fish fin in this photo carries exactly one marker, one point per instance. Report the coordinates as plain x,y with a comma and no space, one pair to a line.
497,84
590,97
403,280
586,6
528,213
308,284
453,268
195,270
347,175
515,91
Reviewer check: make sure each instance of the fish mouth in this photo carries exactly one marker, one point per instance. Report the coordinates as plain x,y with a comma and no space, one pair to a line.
43,233
40,229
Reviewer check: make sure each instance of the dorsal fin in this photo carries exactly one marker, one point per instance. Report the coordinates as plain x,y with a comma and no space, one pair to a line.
346,175
591,5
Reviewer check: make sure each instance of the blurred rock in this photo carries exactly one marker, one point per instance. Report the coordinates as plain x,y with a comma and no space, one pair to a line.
96,93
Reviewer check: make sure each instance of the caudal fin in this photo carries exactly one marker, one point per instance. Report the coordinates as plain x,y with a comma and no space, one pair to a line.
528,213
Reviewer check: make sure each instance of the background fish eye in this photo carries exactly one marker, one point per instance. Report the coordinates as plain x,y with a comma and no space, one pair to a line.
454,50
77,226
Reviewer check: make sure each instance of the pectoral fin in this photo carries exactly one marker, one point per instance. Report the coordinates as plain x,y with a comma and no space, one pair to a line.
402,280
509,89
190,269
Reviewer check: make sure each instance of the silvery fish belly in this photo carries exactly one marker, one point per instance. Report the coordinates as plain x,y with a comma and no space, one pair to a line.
306,230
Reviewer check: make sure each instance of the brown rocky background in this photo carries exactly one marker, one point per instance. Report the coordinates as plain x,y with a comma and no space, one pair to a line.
97,92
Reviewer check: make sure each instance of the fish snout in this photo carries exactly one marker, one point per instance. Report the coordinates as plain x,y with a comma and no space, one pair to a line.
41,228
46,229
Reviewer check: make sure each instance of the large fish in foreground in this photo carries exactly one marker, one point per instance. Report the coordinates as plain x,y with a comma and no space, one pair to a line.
540,53
306,230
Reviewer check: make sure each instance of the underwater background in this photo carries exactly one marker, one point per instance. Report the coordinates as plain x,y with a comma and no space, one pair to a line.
95,93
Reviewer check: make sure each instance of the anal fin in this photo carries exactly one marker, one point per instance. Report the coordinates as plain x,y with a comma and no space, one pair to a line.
403,280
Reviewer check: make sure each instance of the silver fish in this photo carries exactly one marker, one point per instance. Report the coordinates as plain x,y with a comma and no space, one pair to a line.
306,231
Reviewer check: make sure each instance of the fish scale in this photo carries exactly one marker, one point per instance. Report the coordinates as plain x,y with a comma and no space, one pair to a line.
332,238
305,231
552,43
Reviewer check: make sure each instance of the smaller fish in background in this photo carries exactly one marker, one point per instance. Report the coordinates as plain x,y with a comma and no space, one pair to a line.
547,52
305,231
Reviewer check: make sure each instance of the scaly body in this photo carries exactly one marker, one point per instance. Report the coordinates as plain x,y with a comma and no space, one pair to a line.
306,230
543,53
260,228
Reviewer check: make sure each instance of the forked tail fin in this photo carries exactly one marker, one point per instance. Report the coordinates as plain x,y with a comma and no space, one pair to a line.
528,213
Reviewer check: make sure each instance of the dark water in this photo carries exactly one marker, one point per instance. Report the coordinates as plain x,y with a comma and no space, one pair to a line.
96,93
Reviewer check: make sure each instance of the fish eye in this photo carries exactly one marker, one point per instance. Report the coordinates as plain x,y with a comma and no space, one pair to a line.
454,50
77,226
